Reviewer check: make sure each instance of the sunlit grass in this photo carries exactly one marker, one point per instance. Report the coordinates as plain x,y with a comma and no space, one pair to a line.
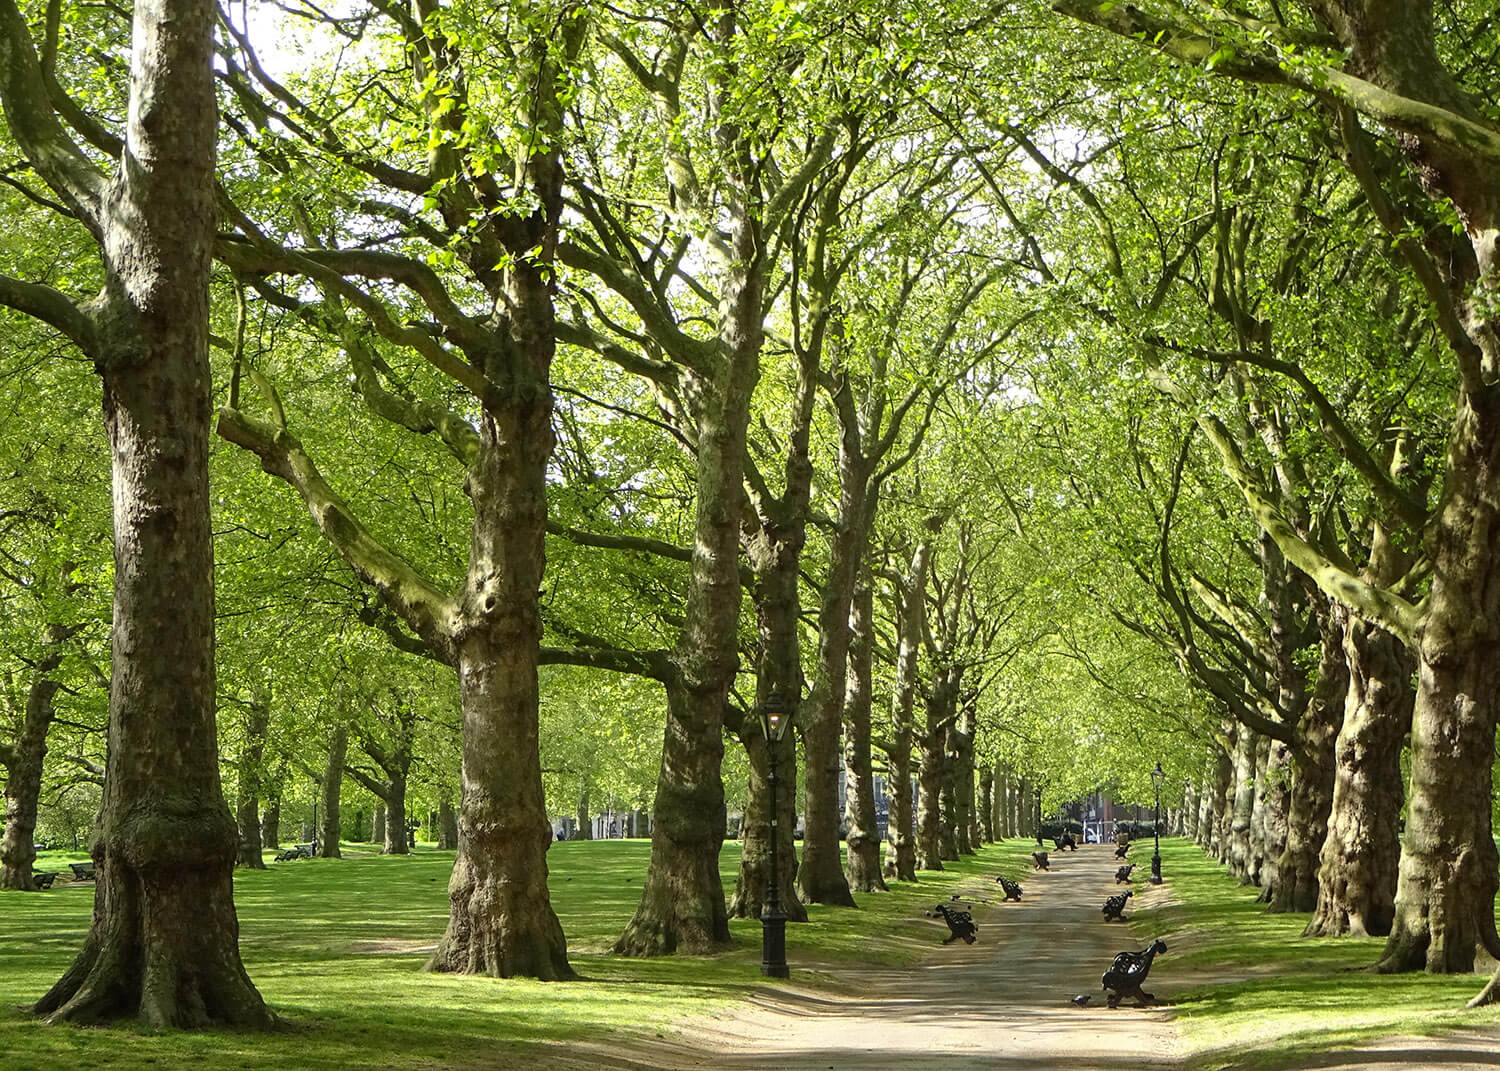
1282,996
337,946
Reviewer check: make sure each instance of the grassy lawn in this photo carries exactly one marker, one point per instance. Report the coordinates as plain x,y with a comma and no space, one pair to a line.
336,947
1274,996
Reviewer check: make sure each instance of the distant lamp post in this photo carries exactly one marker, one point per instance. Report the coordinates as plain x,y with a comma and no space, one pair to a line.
775,717
1158,775
316,789
1038,817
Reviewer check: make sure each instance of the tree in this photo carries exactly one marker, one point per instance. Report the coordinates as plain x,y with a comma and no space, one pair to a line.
500,204
164,941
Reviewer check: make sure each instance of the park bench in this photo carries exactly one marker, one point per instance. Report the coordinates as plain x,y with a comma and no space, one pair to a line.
83,871
296,851
960,923
1122,849
1114,907
1067,841
1012,890
1122,876
43,879
1128,973
1039,860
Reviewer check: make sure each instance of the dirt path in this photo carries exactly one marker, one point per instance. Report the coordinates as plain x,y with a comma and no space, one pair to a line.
1002,1003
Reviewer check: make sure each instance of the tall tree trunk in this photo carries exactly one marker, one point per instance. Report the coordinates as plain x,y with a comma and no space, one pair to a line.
1257,834
377,825
1244,800
862,834
987,806
821,878
901,853
164,943
933,751
270,822
1223,794
1448,873
331,788
501,921
1189,812
1361,853
396,834
682,907
23,783
447,826
1312,772
682,904
961,757
252,756
1002,803
749,897
1277,795
584,816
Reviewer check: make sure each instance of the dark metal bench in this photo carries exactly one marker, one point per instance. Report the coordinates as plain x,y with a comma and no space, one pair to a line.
83,871
1128,973
1114,907
1012,889
960,923
1122,849
1039,860
1122,876
43,879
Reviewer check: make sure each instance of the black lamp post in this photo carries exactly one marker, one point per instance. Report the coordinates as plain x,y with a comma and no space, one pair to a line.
1038,817
1157,776
775,717
316,789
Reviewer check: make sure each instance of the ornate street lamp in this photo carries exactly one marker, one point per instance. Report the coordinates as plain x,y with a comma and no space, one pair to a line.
1157,776
775,718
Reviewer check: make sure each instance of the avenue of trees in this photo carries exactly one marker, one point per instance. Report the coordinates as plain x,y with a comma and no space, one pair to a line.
503,402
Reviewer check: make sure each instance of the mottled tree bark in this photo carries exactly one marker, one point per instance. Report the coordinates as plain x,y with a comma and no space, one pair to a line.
1223,795
23,763
1242,804
247,812
966,839
270,822
862,834
331,790
1312,763
987,808
164,943
749,897
932,747
500,919
901,851
583,817
377,825
1361,852
1256,836
1277,793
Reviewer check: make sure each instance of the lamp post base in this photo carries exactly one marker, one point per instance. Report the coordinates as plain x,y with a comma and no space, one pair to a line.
1155,878
773,945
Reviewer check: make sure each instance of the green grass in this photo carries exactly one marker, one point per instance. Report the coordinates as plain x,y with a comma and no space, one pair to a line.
334,947
1298,995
